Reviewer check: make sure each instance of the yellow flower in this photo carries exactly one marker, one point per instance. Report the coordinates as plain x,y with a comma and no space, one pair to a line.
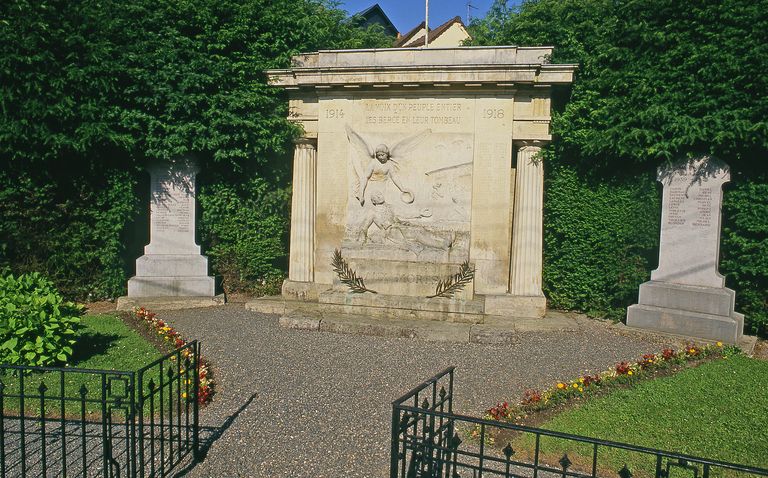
184,395
629,373
719,344
575,385
561,385
581,389
581,380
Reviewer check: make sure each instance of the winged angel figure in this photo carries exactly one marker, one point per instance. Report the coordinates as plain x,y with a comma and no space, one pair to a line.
378,164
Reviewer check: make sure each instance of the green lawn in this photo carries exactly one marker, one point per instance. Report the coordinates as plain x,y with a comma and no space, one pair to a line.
718,410
104,343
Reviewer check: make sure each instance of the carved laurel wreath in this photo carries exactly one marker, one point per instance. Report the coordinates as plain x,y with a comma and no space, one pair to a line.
455,283
347,275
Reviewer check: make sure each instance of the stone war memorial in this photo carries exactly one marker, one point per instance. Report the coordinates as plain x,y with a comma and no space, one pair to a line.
686,294
417,184
172,266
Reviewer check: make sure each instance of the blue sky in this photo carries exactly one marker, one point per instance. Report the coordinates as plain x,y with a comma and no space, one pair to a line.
406,14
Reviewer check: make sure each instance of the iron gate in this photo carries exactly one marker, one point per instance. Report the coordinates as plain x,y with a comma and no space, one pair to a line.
81,422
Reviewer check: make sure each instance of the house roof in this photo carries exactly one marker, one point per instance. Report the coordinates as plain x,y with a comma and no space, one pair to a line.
375,14
409,35
410,40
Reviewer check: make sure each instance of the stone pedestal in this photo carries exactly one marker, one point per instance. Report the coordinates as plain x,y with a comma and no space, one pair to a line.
172,265
686,295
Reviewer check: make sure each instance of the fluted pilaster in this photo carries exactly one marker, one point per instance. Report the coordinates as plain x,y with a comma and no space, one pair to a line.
527,226
303,207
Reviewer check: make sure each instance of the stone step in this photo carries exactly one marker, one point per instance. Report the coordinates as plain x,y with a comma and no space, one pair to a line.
496,331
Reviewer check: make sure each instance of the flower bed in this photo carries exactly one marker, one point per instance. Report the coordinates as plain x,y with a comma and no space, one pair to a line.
174,340
622,374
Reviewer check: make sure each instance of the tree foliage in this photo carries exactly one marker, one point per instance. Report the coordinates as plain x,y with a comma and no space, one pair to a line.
658,81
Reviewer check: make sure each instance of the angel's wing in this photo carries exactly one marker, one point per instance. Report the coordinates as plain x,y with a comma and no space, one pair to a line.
359,166
408,144
358,142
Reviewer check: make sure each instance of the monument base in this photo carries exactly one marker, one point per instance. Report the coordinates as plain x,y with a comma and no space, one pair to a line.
516,305
701,312
171,286
402,306
172,275
327,299
169,303
303,291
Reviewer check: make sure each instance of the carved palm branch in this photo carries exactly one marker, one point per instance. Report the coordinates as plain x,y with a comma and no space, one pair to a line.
347,275
455,283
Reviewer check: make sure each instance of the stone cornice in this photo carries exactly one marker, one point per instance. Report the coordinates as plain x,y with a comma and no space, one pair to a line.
464,66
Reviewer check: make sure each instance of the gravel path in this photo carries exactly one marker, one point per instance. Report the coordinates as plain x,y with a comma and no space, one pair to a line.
295,403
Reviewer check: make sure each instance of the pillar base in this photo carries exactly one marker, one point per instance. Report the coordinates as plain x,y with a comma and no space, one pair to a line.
302,291
516,305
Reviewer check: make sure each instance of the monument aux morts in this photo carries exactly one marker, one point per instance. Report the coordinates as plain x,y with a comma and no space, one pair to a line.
417,184
686,294
172,273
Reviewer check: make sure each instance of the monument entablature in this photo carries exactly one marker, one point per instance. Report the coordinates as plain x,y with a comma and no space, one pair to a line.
418,166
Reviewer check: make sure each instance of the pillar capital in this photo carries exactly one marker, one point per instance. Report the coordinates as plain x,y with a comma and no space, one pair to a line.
532,145
305,143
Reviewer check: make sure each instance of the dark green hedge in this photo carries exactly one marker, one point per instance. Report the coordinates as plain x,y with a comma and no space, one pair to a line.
658,81
600,239
92,91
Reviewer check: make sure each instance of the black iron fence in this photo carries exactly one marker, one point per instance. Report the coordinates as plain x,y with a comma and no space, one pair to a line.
429,440
73,422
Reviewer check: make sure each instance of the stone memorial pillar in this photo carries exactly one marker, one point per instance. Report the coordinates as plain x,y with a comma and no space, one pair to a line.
172,265
301,267
686,294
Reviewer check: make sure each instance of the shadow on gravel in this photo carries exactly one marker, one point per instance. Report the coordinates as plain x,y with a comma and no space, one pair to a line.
209,435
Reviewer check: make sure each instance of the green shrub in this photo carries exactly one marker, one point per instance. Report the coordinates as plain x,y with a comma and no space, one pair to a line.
744,249
246,228
36,326
69,227
600,240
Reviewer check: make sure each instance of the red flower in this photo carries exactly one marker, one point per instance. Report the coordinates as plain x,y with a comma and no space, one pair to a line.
647,360
668,354
591,379
622,368
531,396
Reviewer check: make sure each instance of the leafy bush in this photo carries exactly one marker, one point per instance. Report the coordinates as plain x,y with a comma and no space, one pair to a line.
36,326
744,250
246,226
70,227
601,240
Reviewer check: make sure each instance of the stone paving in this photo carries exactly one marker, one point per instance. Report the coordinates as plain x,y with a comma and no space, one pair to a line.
296,403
